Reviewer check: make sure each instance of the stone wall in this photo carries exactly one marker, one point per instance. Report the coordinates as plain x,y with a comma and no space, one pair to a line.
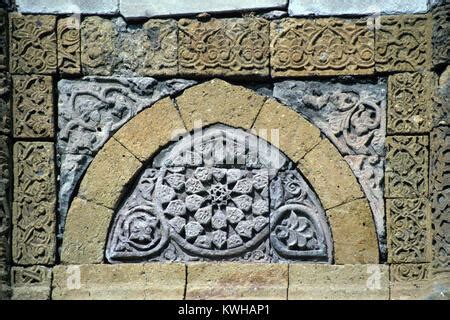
91,94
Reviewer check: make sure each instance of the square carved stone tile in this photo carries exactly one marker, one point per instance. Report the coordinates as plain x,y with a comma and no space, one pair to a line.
410,102
32,106
321,47
403,43
406,167
408,231
224,47
34,203
32,44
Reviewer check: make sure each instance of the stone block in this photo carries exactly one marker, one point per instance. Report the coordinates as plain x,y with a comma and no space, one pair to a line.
403,43
355,7
410,102
32,44
3,41
346,282
109,175
150,8
440,38
440,198
31,283
151,130
32,106
87,227
408,232
278,125
5,111
119,282
406,167
111,47
441,100
69,51
34,212
330,175
236,47
73,7
5,216
217,101
355,219
321,47
237,281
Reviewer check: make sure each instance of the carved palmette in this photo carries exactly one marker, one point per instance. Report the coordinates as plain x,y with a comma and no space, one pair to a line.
185,210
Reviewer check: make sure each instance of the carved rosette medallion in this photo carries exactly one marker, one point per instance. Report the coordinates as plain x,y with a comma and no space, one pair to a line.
219,196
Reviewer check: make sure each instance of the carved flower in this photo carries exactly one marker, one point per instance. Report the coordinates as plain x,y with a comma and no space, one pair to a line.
296,232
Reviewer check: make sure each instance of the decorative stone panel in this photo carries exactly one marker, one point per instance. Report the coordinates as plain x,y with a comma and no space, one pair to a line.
329,282
439,194
412,282
224,47
403,43
32,44
32,106
69,51
321,47
5,113
440,39
120,282
408,230
410,102
237,281
31,283
407,167
409,272
110,46
90,111
3,41
5,216
200,201
34,218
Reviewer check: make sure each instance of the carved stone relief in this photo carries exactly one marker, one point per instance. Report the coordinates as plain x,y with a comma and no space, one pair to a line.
5,216
32,44
439,194
353,117
220,194
440,38
69,51
332,46
90,111
34,215
224,47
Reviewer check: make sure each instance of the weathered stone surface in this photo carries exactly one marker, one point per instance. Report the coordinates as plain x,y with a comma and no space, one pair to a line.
321,47
218,207
145,134
119,282
408,233
5,216
32,106
355,7
237,281
440,39
406,167
31,283
441,100
5,115
32,44
410,281
34,217
329,282
353,218
150,8
69,51
224,47
403,43
330,175
278,125
110,46
90,111
217,101
3,41
109,175
440,198
74,6
435,3
410,102
87,226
